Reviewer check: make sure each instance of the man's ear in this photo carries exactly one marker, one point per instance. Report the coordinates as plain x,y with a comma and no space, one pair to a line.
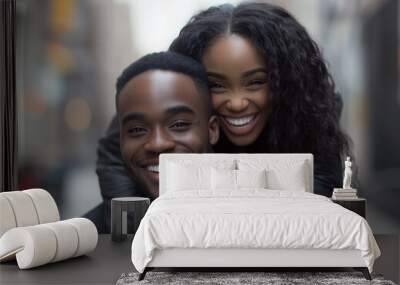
213,130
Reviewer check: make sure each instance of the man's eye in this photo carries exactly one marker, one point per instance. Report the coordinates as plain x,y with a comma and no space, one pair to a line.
136,131
180,125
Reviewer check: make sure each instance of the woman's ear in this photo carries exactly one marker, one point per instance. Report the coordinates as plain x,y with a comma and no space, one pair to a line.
213,130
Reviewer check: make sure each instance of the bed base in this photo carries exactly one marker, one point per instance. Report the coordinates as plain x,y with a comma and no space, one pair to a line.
247,259
363,270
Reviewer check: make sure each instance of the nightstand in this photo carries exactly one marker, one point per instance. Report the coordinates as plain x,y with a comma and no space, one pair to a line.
120,207
358,205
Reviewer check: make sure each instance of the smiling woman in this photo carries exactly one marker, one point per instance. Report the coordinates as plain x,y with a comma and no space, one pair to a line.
293,91
238,84
270,86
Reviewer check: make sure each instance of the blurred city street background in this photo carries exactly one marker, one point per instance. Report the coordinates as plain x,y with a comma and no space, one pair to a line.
70,52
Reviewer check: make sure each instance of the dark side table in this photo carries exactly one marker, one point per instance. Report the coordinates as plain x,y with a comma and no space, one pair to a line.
136,207
358,205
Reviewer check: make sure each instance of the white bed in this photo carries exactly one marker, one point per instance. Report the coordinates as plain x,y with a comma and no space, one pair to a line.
198,223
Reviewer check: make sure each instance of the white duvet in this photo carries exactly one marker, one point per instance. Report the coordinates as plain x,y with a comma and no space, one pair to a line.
252,218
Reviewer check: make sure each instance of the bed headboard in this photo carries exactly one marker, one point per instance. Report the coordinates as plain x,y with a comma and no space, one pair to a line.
213,158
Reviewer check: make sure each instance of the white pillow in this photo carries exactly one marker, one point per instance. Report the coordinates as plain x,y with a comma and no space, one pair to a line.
227,179
181,178
293,179
223,179
281,174
187,174
251,178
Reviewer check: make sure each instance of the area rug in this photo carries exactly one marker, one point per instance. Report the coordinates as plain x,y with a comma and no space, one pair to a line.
230,278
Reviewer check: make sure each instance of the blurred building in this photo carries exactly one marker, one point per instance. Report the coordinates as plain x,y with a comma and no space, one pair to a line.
68,57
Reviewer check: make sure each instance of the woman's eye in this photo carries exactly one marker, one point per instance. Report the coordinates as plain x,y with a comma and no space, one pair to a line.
256,83
216,87
180,125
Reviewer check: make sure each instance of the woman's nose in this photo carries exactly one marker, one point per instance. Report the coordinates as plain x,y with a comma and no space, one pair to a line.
237,104
159,141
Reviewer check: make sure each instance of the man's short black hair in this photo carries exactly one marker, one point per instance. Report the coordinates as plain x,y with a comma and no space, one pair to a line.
168,61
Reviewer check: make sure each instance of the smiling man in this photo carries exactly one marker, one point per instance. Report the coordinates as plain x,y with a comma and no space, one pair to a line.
163,106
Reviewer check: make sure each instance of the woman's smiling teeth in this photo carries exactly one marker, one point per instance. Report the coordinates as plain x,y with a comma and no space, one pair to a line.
240,126
239,122
152,168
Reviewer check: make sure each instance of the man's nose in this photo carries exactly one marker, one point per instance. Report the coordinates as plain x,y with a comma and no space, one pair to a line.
237,103
159,141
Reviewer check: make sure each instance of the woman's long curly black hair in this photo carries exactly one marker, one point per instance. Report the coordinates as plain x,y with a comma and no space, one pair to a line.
304,108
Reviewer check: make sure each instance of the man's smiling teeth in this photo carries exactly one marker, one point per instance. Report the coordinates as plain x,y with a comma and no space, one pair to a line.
239,122
153,168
